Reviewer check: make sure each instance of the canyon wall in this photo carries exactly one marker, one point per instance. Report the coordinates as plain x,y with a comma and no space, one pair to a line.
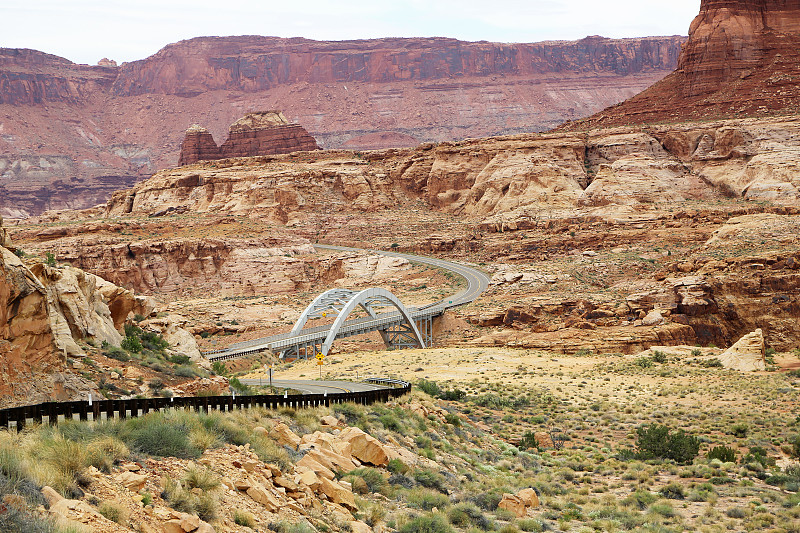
496,181
84,131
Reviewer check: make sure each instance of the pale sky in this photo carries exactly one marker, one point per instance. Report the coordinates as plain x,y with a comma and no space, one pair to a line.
84,31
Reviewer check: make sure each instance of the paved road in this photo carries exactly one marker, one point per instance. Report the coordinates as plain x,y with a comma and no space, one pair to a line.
316,387
477,282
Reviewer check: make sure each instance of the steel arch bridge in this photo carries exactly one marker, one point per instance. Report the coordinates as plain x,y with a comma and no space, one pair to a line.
402,333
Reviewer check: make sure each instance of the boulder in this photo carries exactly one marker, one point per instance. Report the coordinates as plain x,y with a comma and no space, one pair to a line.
285,436
261,495
365,448
747,354
520,503
653,318
131,481
337,493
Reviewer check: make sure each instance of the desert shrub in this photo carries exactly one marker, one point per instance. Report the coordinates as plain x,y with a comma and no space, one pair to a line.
658,442
155,384
131,344
712,363
736,512
659,357
487,500
739,430
155,435
427,524
696,352
640,499
269,451
239,387
113,512
17,520
430,479
390,422
153,341
179,359
723,453
453,419
672,491
185,371
396,466
757,454
429,387
644,362
426,499
225,427
371,476
467,514
795,446
243,518
662,508
492,401
219,368
528,441
202,478
104,452
113,352
453,395
530,524
49,259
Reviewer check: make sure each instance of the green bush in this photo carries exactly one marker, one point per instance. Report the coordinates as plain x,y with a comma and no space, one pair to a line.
113,512
723,453
739,430
658,442
243,518
528,441
659,357
371,476
427,499
49,259
396,466
430,479
453,419
154,435
427,524
219,368
131,344
644,362
429,387
672,491
467,514
641,499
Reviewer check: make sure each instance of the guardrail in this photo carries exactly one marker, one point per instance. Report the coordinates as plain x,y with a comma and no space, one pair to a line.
54,412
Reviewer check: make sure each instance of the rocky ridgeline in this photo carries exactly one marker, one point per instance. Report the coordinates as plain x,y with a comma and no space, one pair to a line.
263,133
71,134
502,181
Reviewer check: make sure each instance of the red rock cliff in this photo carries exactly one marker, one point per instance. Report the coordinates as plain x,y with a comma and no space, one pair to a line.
262,133
70,134
742,59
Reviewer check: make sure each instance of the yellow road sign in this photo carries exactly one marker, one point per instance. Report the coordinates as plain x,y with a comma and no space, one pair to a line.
319,362
320,357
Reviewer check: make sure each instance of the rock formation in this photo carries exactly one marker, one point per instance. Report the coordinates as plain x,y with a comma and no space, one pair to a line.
68,139
262,133
742,59
747,354
501,180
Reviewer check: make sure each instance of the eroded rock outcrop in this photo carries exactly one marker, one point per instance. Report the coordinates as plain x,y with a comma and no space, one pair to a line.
106,127
262,133
742,59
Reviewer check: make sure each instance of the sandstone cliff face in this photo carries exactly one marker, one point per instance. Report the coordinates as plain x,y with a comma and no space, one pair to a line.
262,133
498,179
742,59
67,139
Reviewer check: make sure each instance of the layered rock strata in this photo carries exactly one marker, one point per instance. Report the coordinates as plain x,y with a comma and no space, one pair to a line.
742,59
507,181
68,139
262,133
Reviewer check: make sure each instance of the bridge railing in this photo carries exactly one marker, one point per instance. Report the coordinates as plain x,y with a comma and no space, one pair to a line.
54,412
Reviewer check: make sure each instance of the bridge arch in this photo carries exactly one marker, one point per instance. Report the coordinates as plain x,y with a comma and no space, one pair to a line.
407,334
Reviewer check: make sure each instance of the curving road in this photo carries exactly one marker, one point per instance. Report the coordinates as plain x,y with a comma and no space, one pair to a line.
477,282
